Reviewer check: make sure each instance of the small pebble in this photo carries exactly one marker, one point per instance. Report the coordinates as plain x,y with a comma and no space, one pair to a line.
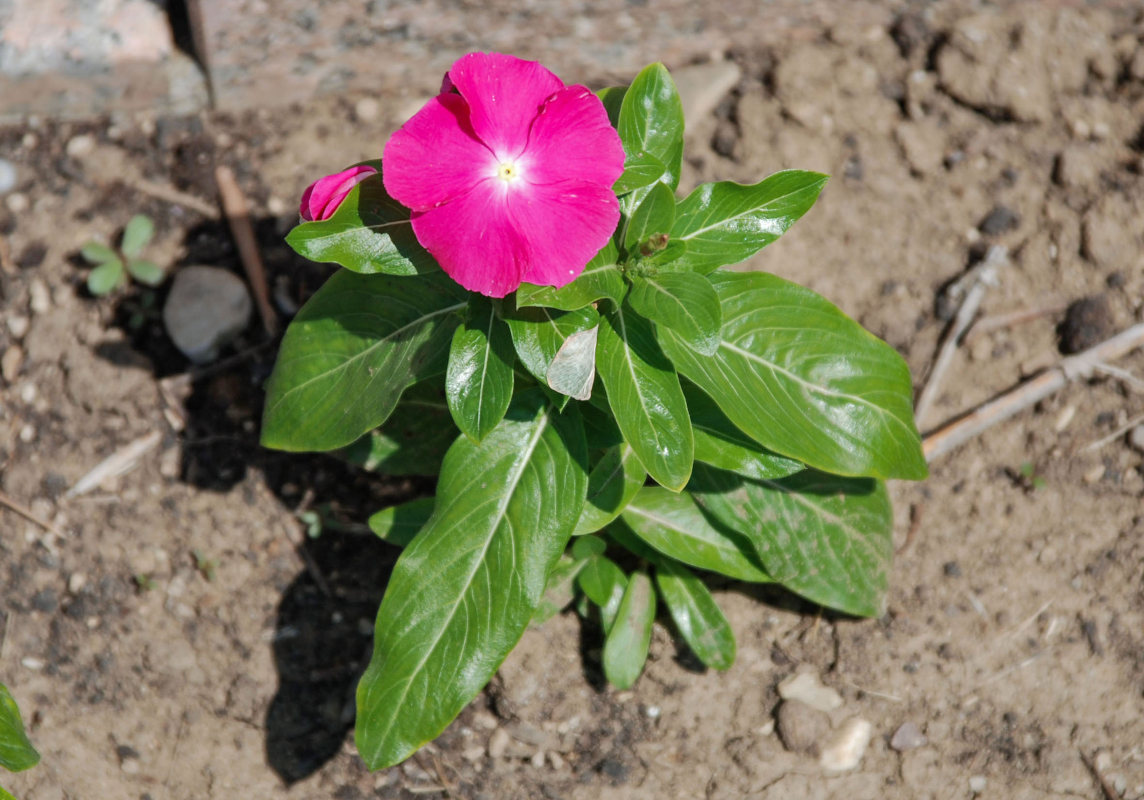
498,743
17,203
1087,322
537,759
845,750
80,146
276,206
18,325
76,582
41,298
367,109
27,434
11,362
806,687
7,176
555,760
1064,418
130,766
999,220
977,784
907,737
32,663
1094,474
800,727
1136,438
473,753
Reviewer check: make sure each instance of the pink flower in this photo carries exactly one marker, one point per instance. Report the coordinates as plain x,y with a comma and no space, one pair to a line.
509,175
322,197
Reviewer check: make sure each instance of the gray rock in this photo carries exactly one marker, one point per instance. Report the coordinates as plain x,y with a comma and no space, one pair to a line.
908,736
800,727
7,176
703,86
206,309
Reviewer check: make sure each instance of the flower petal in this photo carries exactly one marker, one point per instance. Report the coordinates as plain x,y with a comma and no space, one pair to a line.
322,197
504,94
473,240
435,156
572,139
562,226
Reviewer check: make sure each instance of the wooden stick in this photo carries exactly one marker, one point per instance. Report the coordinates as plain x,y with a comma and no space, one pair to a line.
1012,319
170,194
979,279
12,505
122,460
1082,365
6,256
237,215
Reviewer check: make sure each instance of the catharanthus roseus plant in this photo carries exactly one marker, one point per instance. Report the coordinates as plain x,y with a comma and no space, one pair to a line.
529,312
16,752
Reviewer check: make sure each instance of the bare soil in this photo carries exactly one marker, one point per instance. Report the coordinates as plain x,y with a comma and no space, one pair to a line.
178,635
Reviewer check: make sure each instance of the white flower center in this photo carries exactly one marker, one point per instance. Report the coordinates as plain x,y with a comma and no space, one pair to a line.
508,171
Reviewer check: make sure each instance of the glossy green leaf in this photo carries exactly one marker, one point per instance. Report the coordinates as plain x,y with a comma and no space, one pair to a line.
572,370
612,483
559,591
645,396
478,381
724,223
802,379
16,751
675,526
651,120
399,524
599,424
136,235
584,547
603,583
600,280
640,169
4,795
463,591
96,253
106,278
684,302
628,639
719,443
370,233
351,351
414,438
539,333
147,273
650,224
697,616
825,537
613,99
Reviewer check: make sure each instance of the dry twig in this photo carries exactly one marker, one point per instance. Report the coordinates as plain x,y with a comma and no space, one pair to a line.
119,462
6,256
998,321
1024,395
978,279
1107,789
170,194
15,507
237,215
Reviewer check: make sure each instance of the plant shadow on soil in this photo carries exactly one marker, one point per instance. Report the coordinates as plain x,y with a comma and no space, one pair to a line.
324,622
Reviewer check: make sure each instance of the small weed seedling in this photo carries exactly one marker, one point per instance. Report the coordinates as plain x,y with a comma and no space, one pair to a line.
112,268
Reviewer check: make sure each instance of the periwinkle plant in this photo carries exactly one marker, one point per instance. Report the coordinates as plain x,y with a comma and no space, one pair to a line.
518,240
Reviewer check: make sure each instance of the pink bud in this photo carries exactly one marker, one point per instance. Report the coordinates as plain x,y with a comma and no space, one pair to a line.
322,197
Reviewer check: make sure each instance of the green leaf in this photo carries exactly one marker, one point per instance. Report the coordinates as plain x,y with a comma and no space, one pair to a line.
676,527
96,253
651,121
584,547
700,621
626,646
539,333
4,795
106,278
16,751
724,223
478,382
399,524
147,273
825,537
802,379
136,235
559,591
613,98
603,583
640,170
414,438
612,483
650,223
599,424
463,591
370,233
351,351
721,444
684,302
645,396
600,280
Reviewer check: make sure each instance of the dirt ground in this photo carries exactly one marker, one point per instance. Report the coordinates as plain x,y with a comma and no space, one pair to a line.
178,635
